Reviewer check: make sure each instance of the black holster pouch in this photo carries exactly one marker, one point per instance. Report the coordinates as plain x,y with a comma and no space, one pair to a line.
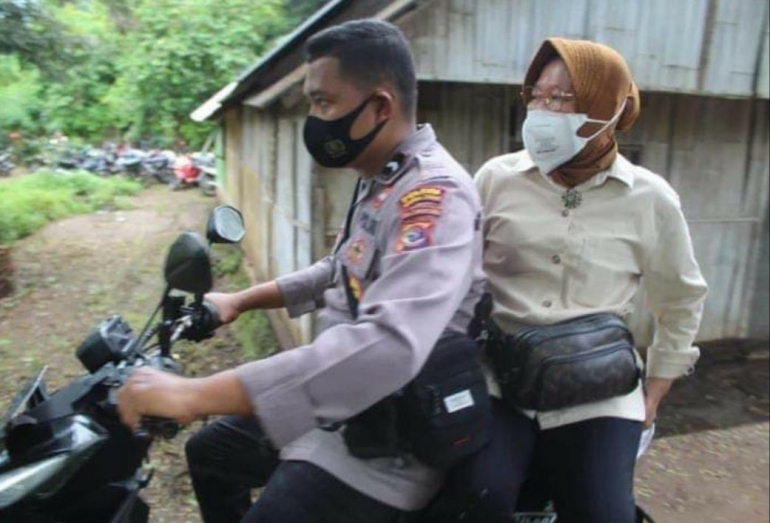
440,417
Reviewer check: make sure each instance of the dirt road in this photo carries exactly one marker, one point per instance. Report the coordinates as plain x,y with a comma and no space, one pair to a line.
77,272
710,463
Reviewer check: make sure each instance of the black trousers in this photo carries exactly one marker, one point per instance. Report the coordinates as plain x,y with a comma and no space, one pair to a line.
231,456
227,459
586,468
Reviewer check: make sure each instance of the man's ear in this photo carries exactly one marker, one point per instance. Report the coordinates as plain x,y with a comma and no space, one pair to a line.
385,103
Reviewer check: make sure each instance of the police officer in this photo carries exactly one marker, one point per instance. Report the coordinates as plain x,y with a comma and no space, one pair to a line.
406,267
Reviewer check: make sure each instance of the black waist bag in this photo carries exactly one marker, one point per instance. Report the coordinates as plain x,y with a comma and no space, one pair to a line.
570,363
440,417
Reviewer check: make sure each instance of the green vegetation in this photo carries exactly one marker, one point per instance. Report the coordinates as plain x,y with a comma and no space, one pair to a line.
252,331
30,202
255,335
227,260
127,69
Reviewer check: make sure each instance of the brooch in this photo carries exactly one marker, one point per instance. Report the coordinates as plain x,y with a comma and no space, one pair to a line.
572,199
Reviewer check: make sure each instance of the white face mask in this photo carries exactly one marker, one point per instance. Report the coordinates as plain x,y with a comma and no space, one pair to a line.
551,138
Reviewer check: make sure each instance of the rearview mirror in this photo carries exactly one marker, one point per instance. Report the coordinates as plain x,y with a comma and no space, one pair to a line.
225,225
188,267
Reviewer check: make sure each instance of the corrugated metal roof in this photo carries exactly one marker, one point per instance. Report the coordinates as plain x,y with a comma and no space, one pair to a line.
694,46
712,47
277,63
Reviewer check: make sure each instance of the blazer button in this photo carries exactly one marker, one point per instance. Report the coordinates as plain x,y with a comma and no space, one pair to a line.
556,259
547,304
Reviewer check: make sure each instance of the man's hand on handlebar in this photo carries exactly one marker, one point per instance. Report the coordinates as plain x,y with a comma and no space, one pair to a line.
150,392
226,306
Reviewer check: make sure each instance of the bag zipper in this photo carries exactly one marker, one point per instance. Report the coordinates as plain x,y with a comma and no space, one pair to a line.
587,329
524,335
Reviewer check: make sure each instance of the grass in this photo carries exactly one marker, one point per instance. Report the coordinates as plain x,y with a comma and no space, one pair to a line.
252,330
30,202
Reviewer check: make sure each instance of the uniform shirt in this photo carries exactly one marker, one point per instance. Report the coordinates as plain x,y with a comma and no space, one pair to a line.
552,255
414,261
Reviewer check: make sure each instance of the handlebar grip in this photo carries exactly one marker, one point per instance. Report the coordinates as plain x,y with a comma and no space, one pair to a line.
205,321
211,320
159,427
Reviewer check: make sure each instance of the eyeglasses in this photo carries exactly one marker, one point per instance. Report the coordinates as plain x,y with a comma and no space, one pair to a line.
536,97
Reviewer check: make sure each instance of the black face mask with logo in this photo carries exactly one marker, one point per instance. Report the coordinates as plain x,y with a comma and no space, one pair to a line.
329,141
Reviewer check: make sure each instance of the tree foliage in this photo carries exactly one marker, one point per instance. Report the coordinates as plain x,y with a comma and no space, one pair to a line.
29,31
129,69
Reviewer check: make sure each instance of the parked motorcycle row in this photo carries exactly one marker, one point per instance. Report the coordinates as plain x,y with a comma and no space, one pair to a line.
163,166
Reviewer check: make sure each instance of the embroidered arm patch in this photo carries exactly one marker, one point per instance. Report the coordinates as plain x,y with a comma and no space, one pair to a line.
419,210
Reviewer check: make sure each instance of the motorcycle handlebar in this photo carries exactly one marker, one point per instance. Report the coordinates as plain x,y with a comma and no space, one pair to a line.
204,320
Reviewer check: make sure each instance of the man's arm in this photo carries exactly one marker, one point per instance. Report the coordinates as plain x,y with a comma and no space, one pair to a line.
230,306
348,367
426,272
152,392
300,292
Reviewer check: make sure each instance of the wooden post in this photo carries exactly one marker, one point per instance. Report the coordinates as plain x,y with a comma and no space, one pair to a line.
6,272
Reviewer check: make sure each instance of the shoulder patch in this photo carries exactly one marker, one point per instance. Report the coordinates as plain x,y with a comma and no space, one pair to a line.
415,235
423,194
419,210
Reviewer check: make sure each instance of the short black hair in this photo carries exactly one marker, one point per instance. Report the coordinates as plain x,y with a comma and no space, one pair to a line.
369,51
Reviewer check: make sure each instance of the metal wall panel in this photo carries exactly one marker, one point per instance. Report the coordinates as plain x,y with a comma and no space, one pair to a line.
471,121
303,214
736,40
689,46
283,202
763,80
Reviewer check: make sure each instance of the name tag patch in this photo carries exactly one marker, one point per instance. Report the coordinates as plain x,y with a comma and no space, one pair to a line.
461,400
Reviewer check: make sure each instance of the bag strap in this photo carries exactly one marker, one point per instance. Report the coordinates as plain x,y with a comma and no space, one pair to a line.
350,295
479,326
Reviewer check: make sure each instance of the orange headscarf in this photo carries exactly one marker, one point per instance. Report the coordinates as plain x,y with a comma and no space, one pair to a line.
603,83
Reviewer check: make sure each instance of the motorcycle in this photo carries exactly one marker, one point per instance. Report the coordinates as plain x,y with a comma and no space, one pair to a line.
69,159
6,164
100,162
130,163
196,169
65,457
159,165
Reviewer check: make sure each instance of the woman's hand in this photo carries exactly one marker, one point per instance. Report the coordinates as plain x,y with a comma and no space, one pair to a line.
655,390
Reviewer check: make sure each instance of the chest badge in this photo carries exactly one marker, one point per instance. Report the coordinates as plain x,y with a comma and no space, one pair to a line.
356,251
379,200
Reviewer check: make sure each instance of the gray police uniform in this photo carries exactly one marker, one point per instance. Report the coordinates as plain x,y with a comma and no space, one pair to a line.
413,259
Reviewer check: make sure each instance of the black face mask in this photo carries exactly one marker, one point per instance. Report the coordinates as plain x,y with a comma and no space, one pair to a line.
329,141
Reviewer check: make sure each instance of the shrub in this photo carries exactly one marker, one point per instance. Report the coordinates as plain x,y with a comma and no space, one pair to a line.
30,202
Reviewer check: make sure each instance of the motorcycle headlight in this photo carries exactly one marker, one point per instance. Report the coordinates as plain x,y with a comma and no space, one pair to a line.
16,484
